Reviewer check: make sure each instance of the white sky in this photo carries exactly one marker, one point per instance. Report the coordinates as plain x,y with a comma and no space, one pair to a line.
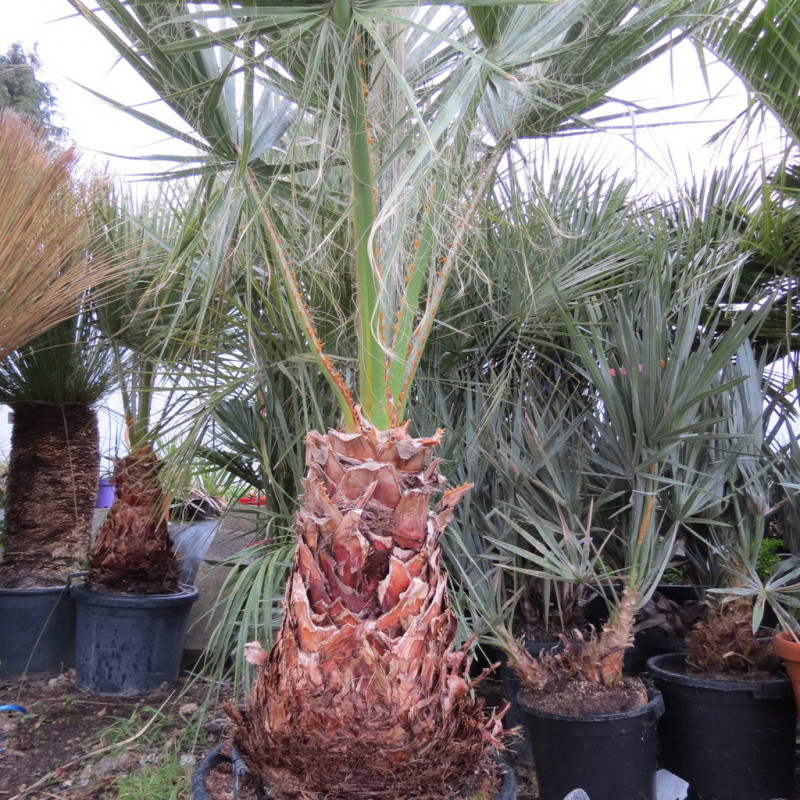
74,55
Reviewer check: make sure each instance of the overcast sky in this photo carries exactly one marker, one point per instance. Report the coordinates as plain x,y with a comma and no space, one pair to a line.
73,54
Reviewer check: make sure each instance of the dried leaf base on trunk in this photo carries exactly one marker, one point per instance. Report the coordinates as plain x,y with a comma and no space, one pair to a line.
364,694
222,775
49,508
133,553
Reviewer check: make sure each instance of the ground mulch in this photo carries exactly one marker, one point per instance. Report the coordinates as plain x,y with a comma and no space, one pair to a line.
56,751
59,738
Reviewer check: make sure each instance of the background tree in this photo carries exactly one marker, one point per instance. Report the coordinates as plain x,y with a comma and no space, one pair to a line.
22,91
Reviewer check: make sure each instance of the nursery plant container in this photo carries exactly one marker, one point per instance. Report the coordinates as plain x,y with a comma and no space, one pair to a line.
729,739
789,651
508,789
514,717
609,756
37,633
105,493
129,644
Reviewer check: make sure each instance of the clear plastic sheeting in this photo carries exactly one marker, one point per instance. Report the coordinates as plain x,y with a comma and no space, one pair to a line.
191,541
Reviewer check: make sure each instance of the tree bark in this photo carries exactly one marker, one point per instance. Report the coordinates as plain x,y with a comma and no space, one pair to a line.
364,693
133,552
51,492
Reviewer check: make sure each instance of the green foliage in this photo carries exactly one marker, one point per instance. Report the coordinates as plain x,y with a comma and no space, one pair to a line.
161,776
363,146
768,557
69,364
22,91
164,779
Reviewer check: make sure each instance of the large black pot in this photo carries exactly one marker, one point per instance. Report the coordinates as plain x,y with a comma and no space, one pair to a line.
609,756
508,790
514,718
37,632
731,740
129,644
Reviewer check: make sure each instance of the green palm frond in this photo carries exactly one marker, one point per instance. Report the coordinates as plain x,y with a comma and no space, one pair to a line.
301,150
760,41
69,364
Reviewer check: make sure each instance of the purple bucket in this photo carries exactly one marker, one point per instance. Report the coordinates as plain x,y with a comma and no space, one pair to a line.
105,493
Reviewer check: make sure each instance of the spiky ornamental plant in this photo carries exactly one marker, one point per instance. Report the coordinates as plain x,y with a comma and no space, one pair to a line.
395,120
653,357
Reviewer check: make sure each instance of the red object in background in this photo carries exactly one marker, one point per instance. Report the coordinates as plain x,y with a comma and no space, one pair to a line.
252,501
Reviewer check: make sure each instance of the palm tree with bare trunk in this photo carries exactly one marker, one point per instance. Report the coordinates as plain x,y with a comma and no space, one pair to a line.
354,142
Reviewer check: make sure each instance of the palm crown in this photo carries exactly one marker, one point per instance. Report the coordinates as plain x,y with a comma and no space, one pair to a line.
365,135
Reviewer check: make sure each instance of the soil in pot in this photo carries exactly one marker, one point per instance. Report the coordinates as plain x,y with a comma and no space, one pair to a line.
590,737
731,739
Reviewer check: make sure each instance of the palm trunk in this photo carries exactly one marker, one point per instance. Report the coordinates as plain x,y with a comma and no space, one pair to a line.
363,693
52,487
133,552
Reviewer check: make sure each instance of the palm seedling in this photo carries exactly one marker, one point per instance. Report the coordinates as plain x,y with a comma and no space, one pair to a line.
366,136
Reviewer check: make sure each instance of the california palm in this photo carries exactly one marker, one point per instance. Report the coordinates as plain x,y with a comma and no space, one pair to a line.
351,139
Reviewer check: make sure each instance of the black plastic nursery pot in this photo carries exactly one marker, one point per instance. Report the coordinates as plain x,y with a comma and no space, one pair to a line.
514,717
508,789
730,740
37,632
129,644
609,756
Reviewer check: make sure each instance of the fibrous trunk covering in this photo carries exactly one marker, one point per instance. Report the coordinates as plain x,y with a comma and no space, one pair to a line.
52,487
133,553
597,659
363,693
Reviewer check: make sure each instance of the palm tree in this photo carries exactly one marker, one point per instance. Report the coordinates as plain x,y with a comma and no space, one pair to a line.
359,139
133,552
51,385
52,368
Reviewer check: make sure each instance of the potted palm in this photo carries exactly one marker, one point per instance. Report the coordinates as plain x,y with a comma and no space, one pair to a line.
729,727
51,384
395,123
645,423
132,611
53,369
